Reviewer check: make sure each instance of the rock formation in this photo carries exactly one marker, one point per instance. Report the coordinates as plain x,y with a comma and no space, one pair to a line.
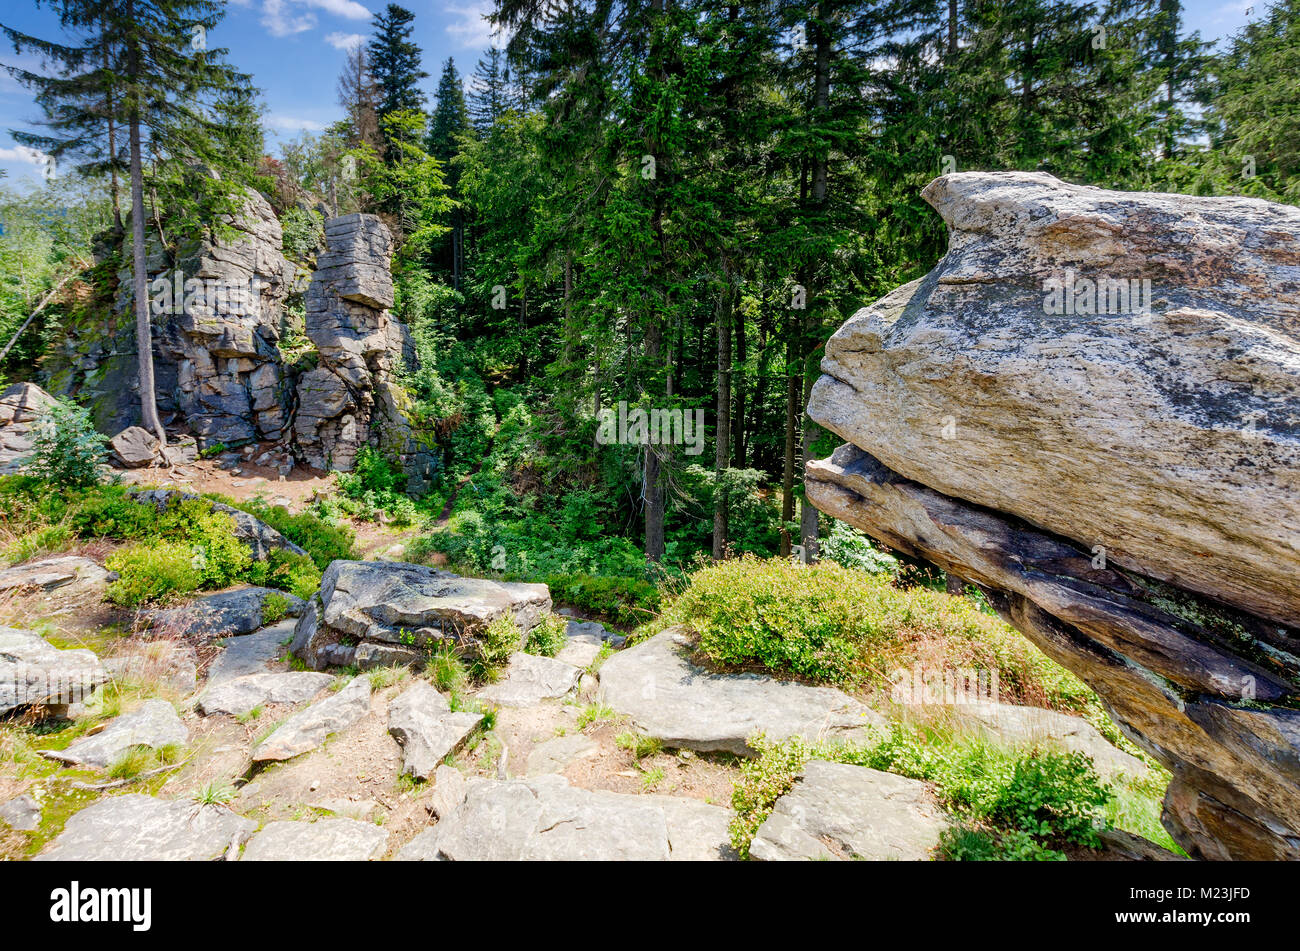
218,314
21,405
1091,409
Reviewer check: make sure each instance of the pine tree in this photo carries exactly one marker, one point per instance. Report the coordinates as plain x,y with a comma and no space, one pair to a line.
395,61
450,118
489,91
359,97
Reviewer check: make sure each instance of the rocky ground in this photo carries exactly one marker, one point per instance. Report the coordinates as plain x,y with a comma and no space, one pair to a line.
207,740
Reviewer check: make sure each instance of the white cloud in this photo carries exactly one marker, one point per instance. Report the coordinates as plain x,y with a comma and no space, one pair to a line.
349,9
470,29
345,41
292,123
23,153
280,22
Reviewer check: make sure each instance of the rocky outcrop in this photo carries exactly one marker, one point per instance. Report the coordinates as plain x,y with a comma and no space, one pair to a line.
406,606
218,310
138,828
225,613
154,725
21,405
34,673
1118,467
325,840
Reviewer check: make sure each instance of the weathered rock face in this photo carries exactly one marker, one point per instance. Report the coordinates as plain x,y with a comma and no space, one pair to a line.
401,605
1171,438
218,315
21,405
1125,486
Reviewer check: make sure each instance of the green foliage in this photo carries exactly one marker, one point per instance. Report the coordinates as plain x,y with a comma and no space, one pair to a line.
304,231
624,601
274,607
282,569
496,643
153,572
548,637
850,548
66,449
220,557
323,541
763,780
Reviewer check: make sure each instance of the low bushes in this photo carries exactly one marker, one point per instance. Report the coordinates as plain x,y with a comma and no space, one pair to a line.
831,624
153,572
1009,804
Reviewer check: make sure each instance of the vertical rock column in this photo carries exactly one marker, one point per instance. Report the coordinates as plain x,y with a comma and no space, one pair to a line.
360,343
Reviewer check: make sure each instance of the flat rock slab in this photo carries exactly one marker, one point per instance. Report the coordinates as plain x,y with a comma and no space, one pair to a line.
154,724
688,707
223,614
138,828
585,640
836,811
553,756
51,573
425,727
34,672
242,694
325,840
1032,725
408,605
22,813
308,729
530,680
546,819
250,654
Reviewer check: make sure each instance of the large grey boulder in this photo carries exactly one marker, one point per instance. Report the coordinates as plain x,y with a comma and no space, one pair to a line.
422,722
1168,437
154,724
325,840
240,695
35,673
837,811
134,447
224,613
688,707
309,728
138,828
50,573
409,606
546,819
529,680
1122,486
22,813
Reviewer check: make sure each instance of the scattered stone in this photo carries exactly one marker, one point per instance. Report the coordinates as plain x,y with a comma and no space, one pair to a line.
552,756
21,405
688,707
450,787
22,813
223,614
325,840
1018,725
135,827
134,447
370,655
34,673
363,810
410,606
309,728
546,819
585,640
51,573
237,696
250,653
427,730
154,724
836,811
530,679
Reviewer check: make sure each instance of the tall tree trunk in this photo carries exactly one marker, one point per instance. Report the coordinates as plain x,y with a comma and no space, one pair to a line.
722,440
113,186
952,27
792,390
139,278
738,387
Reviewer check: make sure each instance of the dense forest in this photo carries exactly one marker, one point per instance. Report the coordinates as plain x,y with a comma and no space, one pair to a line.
665,206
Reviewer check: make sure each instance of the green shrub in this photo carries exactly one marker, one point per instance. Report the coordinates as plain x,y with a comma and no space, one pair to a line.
219,556
832,624
850,548
624,601
153,572
496,643
66,449
763,780
549,636
303,230
274,607
321,540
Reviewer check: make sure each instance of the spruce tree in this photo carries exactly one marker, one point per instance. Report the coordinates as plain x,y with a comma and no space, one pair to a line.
395,61
489,91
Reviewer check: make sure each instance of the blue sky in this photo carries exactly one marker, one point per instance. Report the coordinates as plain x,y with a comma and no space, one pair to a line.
294,50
